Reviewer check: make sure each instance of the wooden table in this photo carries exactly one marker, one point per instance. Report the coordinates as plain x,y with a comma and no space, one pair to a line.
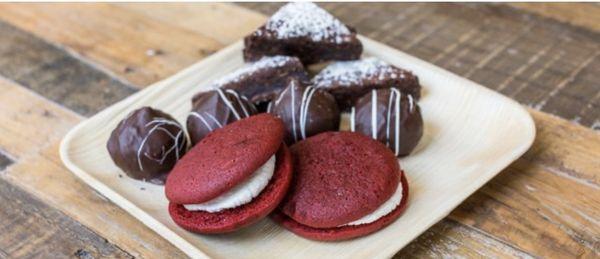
61,63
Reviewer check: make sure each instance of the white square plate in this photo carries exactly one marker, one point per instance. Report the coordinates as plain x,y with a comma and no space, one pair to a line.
471,134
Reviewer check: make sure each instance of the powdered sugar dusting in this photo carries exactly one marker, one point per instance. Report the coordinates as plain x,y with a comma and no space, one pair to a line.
346,73
248,70
305,19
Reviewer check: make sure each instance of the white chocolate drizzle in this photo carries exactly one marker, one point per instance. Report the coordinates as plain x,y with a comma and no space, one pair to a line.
159,124
305,104
393,108
228,103
307,95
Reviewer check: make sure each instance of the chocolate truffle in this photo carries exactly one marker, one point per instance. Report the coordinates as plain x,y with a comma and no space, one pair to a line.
147,144
304,30
261,81
390,117
349,80
214,109
305,111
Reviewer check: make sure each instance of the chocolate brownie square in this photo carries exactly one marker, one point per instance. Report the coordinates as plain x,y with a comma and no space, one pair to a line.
262,81
304,30
349,80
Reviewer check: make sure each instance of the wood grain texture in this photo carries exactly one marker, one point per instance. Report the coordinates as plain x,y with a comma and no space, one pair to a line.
542,63
31,229
579,14
29,122
218,21
44,176
39,171
61,77
133,46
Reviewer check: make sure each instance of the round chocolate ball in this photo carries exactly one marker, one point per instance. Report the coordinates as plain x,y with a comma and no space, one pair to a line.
306,111
147,144
390,117
214,109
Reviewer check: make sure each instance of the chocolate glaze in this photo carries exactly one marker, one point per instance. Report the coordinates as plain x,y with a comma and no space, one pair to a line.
383,117
214,109
147,144
305,111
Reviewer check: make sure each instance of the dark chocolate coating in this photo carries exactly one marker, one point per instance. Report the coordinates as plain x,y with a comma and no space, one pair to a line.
411,122
264,43
212,110
305,111
147,144
264,84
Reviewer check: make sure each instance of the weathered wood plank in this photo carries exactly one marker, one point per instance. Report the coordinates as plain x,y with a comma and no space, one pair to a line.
446,239
579,14
44,176
55,73
130,44
29,122
542,63
39,171
214,20
30,229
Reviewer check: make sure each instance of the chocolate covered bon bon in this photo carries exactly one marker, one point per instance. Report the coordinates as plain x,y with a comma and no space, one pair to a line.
147,144
305,111
214,109
390,117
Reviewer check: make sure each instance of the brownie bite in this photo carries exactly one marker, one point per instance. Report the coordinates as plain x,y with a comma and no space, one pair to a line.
304,30
261,81
349,80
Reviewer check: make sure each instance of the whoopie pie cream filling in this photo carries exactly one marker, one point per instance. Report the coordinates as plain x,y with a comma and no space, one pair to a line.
241,194
385,208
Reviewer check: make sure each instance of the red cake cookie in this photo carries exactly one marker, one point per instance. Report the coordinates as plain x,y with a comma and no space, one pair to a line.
343,183
220,167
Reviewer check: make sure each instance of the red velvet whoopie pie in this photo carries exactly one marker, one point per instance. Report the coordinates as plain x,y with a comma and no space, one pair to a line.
232,178
345,185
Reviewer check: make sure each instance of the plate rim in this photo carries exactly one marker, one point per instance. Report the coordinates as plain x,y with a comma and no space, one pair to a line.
195,252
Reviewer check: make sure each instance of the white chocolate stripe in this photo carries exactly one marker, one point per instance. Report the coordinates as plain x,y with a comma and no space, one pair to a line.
398,115
160,123
214,119
228,103
304,110
352,119
197,115
374,114
293,111
239,101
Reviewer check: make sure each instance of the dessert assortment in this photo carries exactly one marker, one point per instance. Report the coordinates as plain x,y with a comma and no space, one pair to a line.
266,139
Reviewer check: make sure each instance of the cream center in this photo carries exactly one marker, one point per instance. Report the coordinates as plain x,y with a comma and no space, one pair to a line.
383,210
241,194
